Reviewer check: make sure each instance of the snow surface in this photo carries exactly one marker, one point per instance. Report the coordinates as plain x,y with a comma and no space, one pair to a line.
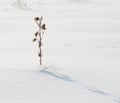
81,52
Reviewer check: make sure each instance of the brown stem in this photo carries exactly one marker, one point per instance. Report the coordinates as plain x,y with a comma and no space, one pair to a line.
40,42
40,33
37,23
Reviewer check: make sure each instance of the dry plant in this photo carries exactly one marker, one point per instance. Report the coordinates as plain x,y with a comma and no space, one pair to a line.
39,35
20,5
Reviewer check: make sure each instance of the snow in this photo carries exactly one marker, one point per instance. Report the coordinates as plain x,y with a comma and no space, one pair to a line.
80,52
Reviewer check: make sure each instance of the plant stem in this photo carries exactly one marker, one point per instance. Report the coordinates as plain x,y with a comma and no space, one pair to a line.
40,42
39,35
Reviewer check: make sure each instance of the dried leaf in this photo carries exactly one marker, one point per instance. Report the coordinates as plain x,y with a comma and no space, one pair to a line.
43,27
39,55
37,18
36,34
34,39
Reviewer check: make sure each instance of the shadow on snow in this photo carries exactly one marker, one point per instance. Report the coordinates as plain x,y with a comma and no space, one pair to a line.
98,91
57,75
84,85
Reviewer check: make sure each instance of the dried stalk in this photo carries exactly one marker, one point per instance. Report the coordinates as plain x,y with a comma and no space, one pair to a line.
39,35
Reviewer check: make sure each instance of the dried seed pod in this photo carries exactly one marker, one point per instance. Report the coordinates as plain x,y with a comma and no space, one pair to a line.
37,18
39,54
36,34
43,27
34,39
